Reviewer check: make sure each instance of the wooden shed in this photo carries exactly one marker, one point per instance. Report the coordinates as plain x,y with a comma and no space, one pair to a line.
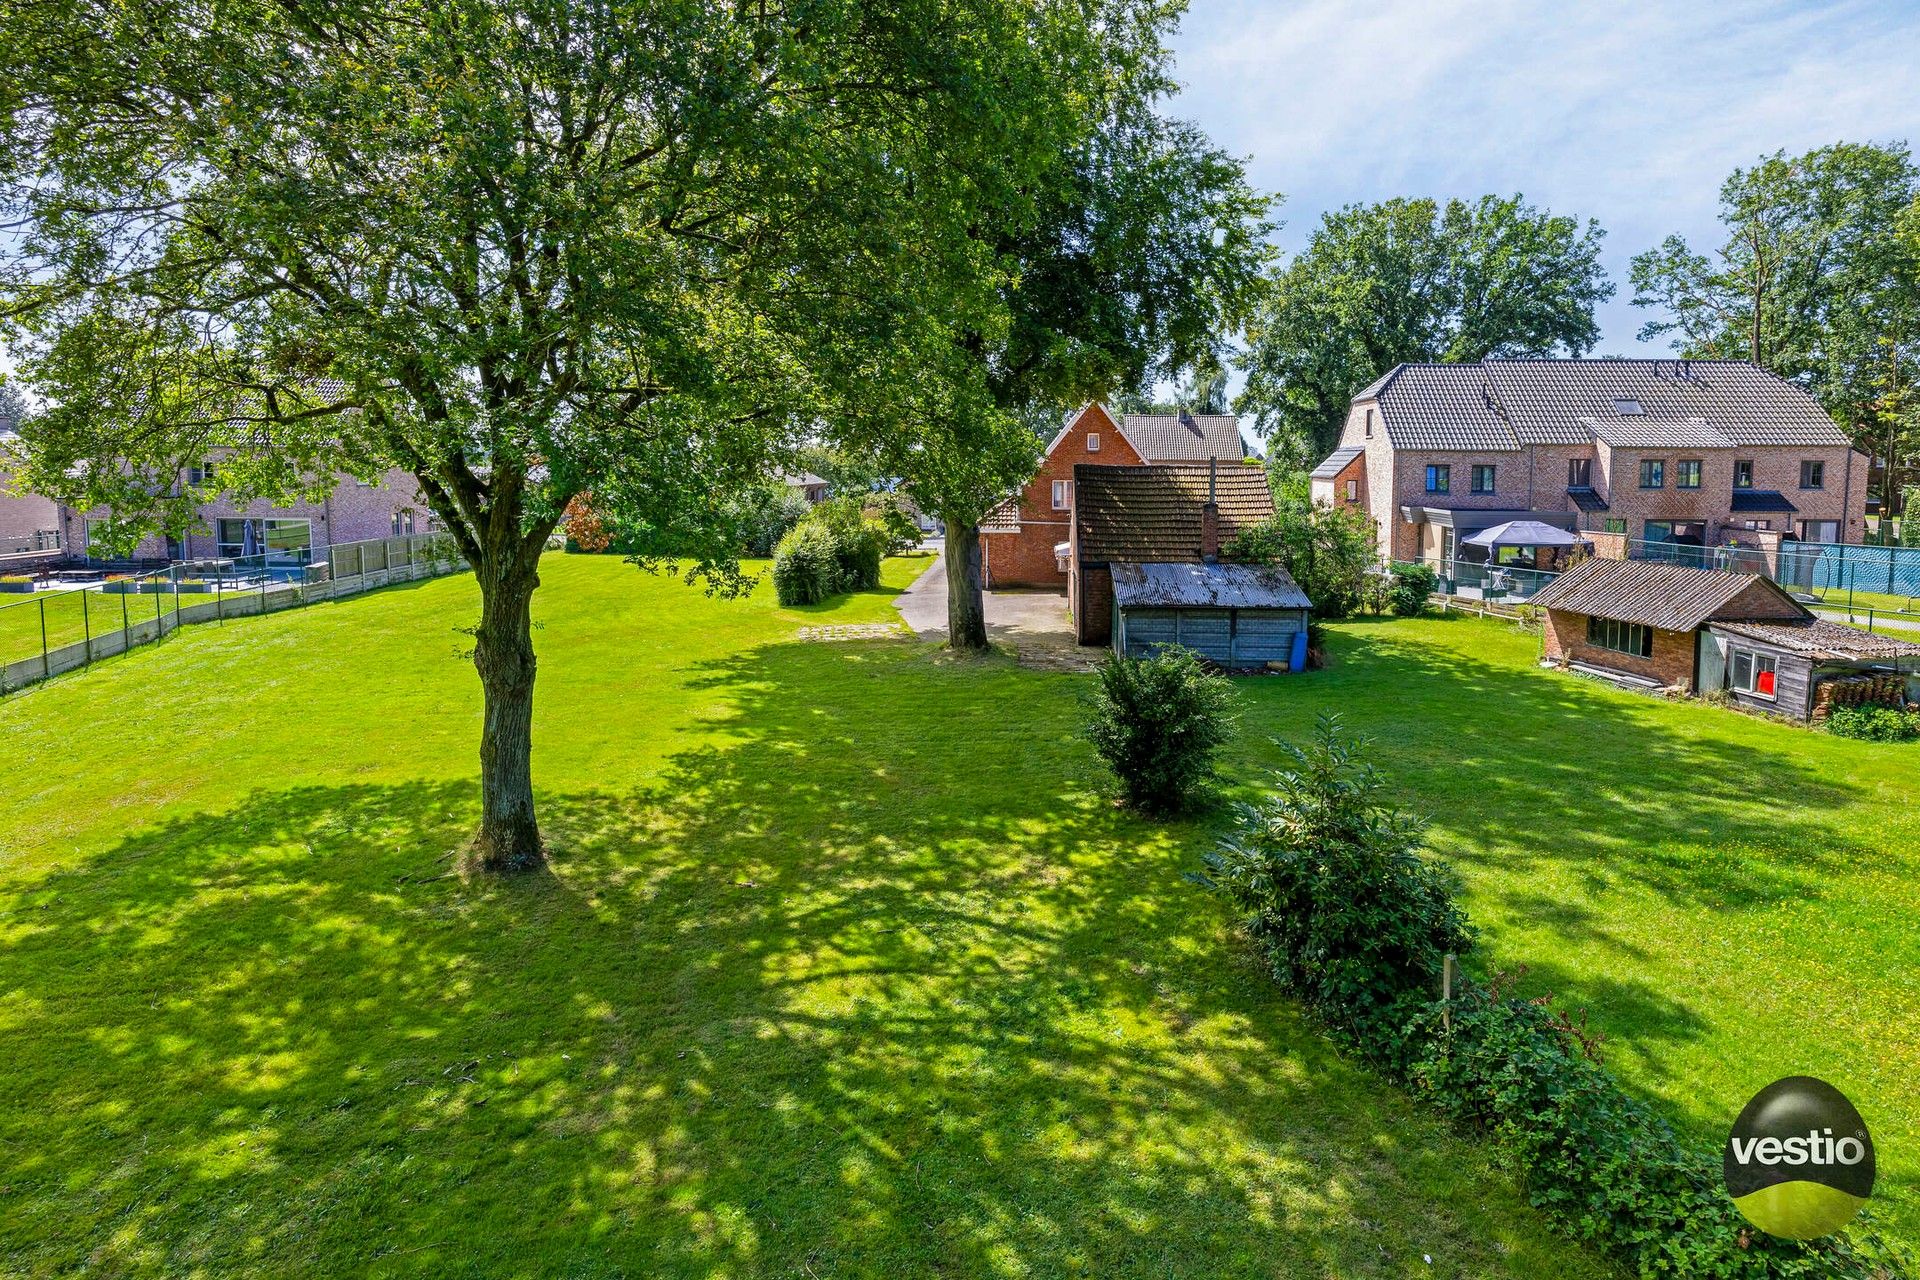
1796,668
1234,615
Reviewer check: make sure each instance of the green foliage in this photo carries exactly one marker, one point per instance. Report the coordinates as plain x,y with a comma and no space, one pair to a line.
1910,517
1357,924
1328,550
1873,723
1157,722
1333,889
833,550
1412,585
763,515
805,568
1408,280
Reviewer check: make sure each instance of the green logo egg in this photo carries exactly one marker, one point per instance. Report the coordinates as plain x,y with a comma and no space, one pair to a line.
1799,1162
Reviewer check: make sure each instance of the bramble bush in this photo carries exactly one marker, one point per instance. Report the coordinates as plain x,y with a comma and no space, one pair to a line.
1874,723
1412,585
1157,722
1356,924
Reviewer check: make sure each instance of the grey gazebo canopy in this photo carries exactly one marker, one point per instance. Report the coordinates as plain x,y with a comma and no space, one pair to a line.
1524,533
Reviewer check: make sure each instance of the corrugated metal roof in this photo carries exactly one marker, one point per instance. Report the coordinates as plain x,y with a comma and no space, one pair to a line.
1206,586
1336,462
1152,514
1503,404
1671,597
1818,638
1761,500
1168,437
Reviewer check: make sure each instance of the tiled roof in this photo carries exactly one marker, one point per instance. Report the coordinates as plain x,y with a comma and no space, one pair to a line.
1761,500
1336,462
1818,638
1671,597
1004,518
1503,404
1153,513
1169,437
1644,431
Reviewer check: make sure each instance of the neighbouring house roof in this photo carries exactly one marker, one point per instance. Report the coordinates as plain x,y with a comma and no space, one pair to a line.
1818,638
1761,500
1336,462
1670,597
1506,404
1004,518
1152,514
1206,586
1169,437
800,479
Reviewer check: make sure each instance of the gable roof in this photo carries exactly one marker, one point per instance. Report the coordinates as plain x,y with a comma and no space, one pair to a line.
1653,593
1505,404
1171,437
1336,462
1153,513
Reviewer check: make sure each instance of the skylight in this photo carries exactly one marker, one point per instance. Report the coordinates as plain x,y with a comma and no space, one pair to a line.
1628,408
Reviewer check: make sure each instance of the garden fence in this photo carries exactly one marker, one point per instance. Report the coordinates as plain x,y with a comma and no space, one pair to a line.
54,626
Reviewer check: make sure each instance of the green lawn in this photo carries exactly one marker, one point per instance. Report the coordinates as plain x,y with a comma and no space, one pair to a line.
1734,900
847,966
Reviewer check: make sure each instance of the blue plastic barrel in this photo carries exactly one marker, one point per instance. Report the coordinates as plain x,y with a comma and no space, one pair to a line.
1298,660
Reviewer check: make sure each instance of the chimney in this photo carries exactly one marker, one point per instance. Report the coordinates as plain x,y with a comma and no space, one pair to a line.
1210,515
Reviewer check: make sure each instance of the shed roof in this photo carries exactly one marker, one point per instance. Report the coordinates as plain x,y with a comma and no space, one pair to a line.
1670,597
1336,462
1818,638
1206,586
1152,514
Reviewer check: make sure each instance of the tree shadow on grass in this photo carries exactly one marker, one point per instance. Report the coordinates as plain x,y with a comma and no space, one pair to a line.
869,981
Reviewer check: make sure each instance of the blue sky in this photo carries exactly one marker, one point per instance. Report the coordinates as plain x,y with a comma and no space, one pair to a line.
1629,113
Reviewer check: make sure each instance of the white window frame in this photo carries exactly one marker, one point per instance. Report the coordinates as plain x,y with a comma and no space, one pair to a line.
1756,662
1353,491
1093,442
1062,494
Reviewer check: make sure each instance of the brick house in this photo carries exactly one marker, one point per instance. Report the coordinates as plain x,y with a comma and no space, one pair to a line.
1672,453
29,523
1670,626
1023,541
1170,513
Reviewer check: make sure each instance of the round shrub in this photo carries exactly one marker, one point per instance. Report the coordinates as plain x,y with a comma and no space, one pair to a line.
1872,723
1157,722
805,570
1412,585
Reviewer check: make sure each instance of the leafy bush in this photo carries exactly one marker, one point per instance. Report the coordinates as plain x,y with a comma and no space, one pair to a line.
1358,925
1412,585
764,515
1874,723
1157,722
1351,917
1328,550
805,569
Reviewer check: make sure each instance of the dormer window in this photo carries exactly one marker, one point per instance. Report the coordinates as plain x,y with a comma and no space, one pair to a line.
1093,442
1628,408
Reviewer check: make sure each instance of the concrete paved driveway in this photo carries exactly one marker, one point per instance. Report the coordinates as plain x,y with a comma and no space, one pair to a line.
1034,623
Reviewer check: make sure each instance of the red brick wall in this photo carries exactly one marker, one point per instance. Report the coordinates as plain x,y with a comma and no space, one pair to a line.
1026,559
1093,606
1671,663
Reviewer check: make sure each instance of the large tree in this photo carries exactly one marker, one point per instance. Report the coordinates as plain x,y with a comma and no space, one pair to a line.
1144,252
1410,280
1814,281
524,249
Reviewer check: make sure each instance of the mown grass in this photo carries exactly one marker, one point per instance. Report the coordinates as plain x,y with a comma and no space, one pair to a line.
846,966
1732,899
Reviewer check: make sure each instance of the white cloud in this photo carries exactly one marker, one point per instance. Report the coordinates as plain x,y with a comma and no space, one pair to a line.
1628,113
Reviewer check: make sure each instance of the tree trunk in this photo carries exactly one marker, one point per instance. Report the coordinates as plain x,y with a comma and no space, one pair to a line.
966,609
509,837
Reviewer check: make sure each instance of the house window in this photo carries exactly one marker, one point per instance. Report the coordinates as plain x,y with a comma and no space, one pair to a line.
274,542
1093,442
201,476
1757,524
403,522
1743,473
1615,524
1820,530
1580,473
1353,491
1621,637
1482,478
1653,473
1439,478
1813,475
1628,408
1753,673
1060,494
1686,474
1659,531
1369,424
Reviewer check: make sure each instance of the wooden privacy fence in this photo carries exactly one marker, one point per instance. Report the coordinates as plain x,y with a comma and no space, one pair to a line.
57,631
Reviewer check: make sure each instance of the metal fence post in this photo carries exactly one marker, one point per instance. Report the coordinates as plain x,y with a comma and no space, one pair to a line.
86,625
126,627
220,597
46,661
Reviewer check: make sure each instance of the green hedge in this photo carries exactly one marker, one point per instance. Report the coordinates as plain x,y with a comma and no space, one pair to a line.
833,550
1357,924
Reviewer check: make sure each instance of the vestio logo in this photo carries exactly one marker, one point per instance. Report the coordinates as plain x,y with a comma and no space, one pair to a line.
1799,1162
